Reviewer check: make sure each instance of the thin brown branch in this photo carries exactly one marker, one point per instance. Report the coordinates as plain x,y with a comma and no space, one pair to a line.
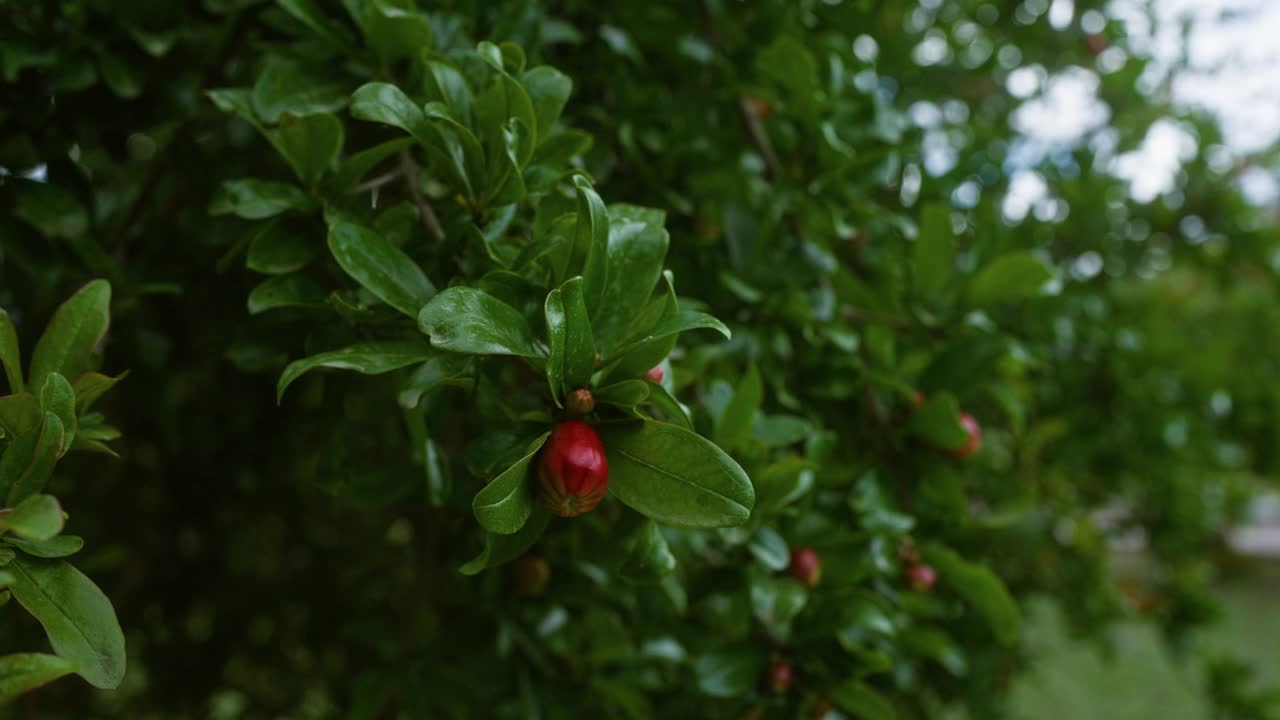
413,176
375,183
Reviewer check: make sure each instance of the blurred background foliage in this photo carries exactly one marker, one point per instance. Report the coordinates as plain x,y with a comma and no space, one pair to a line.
272,562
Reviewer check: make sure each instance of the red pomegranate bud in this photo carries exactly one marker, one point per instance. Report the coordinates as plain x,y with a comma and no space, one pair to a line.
573,474
759,106
580,402
780,677
973,443
806,566
921,578
656,374
531,575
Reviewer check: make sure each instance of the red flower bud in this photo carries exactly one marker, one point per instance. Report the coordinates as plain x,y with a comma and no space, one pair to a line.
780,677
759,107
573,474
580,402
656,374
531,574
806,566
921,578
972,443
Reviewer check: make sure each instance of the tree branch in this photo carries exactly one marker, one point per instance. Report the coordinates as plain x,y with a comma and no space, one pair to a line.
412,175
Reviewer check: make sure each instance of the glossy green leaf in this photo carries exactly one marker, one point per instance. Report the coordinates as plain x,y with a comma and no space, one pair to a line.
625,394
449,86
735,422
90,386
671,408
38,518
548,90
69,340
279,249
590,249
650,558
58,397
311,144
368,358
862,702
21,672
1009,278
637,247
78,618
782,483
571,359
776,601
466,320
387,104
19,414
300,88
50,209
382,268
55,547
938,422
504,505
682,321
675,476
982,589
10,357
770,549
28,463
284,291
436,467
254,199
935,250
441,370
395,30
310,15
501,549
729,673
354,168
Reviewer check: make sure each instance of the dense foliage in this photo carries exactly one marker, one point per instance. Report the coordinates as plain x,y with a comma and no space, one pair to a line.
855,409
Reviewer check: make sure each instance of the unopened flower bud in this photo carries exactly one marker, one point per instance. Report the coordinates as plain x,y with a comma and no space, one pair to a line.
580,402
573,474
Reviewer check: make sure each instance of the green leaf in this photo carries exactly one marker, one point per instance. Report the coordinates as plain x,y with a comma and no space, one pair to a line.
590,250
571,359
311,144
780,430
238,101
19,414
395,32
500,549
674,410
27,464
735,422
285,291
71,336
782,483
56,547
624,394
436,467
58,397
770,549
638,244
1016,276
504,504
78,618
355,167
938,422
10,357
681,321
369,358
650,558
449,86
859,700
675,476
935,251
254,199
557,334
776,602
300,88
729,673
466,320
981,588
548,91
50,209
21,672
790,64
441,370
306,12
387,104
382,268
39,518
90,386
278,250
